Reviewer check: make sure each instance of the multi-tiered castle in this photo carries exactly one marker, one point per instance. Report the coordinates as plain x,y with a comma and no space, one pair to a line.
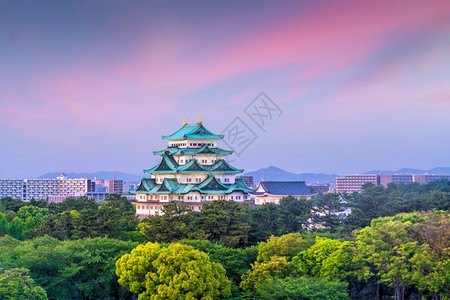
192,171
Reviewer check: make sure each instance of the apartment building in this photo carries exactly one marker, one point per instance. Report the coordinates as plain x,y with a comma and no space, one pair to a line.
354,183
11,188
114,186
40,189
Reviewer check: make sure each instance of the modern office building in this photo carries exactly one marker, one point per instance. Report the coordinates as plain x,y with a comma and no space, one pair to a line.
73,186
192,171
114,186
273,191
11,188
52,189
354,183
385,179
40,189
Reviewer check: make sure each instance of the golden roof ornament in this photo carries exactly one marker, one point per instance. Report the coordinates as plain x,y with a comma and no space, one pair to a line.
184,122
200,121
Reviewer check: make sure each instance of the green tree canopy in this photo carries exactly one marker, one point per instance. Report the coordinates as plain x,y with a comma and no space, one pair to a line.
226,222
16,228
302,288
288,246
3,224
37,213
17,284
173,272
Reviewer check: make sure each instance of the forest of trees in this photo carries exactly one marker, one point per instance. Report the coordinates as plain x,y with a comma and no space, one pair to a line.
395,244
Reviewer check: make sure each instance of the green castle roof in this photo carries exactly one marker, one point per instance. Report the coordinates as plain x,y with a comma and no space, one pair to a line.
204,150
168,165
209,186
193,131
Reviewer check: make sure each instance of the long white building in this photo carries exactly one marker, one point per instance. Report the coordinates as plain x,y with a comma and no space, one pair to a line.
43,189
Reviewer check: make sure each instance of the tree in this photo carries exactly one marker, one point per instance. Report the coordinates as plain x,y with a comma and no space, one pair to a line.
77,204
28,227
176,222
295,214
38,214
236,262
387,245
16,228
274,260
85,224
431,263
117,218
8,203
276,267
91,272
288,245
264,222
3,224
226,222
17,284
80,269
372,203
327,209
175,272
302,288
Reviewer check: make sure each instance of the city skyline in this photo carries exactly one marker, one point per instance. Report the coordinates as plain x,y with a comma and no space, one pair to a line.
92,86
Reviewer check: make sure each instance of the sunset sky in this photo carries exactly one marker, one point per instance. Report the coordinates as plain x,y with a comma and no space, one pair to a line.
92,85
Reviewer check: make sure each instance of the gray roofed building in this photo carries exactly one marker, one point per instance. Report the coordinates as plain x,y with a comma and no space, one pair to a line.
273,191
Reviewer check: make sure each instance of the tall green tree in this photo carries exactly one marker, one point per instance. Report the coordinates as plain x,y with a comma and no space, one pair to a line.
175,272
326,211
16,228
387,245
295,214
28,227
86,224
176,222
3,224
288,246
17,284
37,213
235,261
264,222
226,222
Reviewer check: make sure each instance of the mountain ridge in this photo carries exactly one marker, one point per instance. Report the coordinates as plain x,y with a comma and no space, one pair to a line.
269,173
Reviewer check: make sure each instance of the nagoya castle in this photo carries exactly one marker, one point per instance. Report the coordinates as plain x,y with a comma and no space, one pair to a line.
192,171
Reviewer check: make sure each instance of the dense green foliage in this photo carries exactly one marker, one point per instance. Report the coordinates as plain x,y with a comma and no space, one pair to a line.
394,244
173,272
83,269
17,284
302,288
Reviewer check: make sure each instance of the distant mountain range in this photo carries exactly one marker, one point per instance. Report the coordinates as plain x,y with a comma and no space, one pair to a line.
436,171
270,173
102,174
274,173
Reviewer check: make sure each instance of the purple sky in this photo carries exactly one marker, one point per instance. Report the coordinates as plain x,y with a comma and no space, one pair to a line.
92,85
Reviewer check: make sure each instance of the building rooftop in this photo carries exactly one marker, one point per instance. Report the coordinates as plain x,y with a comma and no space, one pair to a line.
168,165
292,188
209,186
193,131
